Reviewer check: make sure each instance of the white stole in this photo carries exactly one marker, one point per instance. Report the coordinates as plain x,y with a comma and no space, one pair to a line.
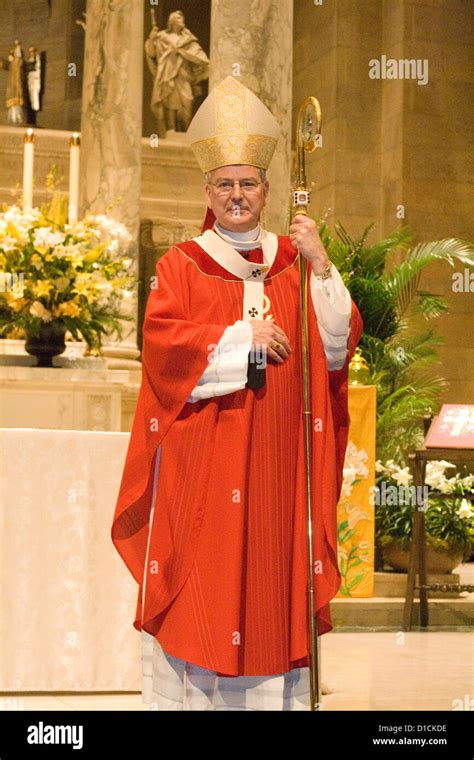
253,275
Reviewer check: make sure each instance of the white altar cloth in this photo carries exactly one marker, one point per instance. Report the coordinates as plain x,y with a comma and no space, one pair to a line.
66,598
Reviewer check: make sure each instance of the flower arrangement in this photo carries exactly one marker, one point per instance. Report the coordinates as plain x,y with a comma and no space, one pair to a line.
449,517
51,272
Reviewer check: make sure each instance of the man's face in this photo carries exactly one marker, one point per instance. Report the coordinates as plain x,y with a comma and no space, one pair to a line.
237,209
176,22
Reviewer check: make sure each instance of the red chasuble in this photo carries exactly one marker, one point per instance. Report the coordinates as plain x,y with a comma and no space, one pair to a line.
222,571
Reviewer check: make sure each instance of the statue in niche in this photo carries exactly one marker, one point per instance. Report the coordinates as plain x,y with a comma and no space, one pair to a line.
34,67
24,84
14,97
178,64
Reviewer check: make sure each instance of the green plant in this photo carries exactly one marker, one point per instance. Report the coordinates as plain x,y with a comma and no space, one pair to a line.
449,518
401,359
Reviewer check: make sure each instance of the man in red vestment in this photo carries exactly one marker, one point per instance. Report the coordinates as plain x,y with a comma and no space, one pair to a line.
211,513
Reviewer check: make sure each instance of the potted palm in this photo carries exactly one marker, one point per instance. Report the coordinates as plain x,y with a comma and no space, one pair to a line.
401,351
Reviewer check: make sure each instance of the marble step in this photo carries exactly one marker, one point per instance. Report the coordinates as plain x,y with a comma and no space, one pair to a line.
382,612
391,584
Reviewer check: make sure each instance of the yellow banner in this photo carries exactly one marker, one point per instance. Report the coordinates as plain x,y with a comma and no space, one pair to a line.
356,508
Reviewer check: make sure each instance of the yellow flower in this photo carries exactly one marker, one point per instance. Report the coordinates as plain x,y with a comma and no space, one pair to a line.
18,304
83,288
37,261
13,231
69,309
95,253
76,259
42,288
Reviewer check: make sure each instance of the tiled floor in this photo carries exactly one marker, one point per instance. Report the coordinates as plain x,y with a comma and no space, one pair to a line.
426,670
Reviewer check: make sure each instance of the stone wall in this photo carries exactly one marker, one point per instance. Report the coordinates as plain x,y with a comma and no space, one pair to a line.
50,27
390,143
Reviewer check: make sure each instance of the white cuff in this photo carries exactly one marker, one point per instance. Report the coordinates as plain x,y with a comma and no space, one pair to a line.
333,307
228,364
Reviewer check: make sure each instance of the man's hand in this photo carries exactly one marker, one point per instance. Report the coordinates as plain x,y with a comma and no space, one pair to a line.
305,237
267,334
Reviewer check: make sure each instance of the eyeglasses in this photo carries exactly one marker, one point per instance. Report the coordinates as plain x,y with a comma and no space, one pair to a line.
247,186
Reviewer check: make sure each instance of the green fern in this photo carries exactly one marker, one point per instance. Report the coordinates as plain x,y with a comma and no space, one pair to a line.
401,364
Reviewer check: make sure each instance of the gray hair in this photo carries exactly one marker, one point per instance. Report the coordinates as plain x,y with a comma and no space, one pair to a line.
262,172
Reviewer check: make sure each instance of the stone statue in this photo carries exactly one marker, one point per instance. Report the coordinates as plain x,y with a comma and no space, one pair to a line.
24,84
34,78
177,63
14,98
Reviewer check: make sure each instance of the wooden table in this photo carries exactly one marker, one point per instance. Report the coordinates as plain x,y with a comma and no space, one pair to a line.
417,562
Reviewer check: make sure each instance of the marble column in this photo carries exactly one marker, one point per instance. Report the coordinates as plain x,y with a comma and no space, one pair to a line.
253,41
111,129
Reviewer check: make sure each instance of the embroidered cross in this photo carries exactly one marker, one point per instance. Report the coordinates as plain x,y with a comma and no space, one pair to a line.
253,311
256,272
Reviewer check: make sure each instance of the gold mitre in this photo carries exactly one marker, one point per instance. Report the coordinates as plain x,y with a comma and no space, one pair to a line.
233,126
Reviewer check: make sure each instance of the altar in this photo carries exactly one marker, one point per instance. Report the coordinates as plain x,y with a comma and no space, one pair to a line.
78,392
67,398
67,598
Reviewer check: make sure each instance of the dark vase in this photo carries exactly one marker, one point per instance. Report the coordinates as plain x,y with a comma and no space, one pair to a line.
47,343
437,562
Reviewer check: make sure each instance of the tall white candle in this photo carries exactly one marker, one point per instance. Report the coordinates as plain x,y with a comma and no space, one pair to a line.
28,159
74,158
